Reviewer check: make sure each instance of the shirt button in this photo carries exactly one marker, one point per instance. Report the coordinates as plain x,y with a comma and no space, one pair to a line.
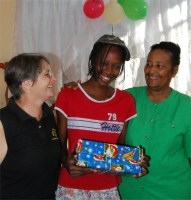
147,137
152,120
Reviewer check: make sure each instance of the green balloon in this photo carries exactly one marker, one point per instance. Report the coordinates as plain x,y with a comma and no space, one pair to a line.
134,9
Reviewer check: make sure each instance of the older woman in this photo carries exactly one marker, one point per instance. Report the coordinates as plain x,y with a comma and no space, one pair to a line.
163,128
29,145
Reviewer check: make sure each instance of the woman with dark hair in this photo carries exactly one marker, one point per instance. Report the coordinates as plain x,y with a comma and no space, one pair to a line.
80,114
163,128
29,146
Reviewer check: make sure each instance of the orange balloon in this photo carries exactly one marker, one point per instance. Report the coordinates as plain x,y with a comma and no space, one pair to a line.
113,12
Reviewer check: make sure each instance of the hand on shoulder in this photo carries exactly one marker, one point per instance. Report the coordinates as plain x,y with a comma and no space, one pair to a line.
72,84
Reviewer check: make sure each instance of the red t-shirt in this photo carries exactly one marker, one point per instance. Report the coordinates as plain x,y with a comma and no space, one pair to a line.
95,120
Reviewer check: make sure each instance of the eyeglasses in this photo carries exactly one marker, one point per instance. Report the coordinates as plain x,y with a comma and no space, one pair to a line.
47,73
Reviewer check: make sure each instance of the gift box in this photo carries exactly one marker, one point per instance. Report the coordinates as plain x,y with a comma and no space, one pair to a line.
107,157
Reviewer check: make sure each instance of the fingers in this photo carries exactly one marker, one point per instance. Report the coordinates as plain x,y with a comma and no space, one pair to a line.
72,85
76,171
143,173
94,170
145,162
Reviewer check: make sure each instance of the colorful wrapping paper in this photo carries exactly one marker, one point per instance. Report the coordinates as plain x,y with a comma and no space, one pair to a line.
107,157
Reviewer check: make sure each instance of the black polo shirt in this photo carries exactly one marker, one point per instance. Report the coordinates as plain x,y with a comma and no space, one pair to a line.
31,165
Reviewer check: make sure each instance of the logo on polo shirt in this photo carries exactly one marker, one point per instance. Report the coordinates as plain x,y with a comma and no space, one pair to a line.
54,134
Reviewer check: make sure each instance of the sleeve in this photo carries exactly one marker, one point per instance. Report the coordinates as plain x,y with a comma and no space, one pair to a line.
131,107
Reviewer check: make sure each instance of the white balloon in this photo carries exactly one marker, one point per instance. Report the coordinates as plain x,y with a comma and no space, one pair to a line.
113,12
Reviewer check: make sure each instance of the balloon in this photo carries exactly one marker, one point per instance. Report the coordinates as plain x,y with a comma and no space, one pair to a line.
134,9
93,8
113,12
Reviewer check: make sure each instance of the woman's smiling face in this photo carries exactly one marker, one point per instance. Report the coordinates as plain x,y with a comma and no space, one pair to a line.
158,69
110,68
43,86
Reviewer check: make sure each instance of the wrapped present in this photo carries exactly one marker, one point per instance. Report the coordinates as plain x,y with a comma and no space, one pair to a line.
107,157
